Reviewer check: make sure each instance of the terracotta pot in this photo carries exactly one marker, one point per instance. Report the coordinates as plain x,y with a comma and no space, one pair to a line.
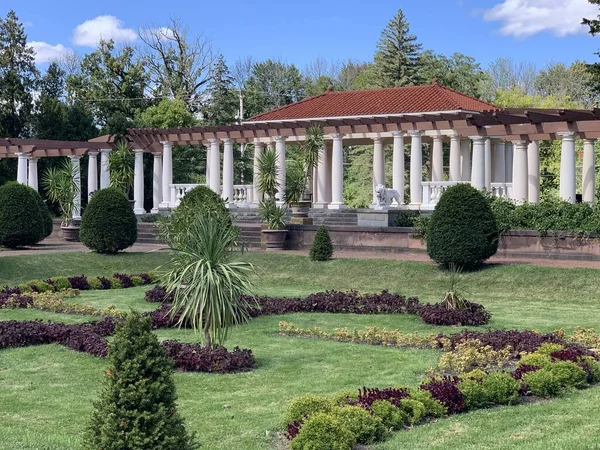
70,233
275,239
300,209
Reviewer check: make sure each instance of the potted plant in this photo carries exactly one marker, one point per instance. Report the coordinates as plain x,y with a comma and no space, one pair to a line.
121,167
272,214
62,188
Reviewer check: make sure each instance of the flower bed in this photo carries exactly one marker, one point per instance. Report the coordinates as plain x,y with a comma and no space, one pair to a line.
472,314
89,338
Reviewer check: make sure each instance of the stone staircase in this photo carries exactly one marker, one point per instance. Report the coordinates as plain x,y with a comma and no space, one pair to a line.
250,234
148,234
342,217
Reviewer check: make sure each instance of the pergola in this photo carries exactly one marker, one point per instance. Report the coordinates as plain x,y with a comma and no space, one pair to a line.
493,149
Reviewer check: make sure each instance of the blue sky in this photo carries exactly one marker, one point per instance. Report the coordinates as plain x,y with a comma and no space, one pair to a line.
300,31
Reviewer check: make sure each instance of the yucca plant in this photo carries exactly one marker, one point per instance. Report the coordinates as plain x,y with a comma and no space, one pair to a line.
300,171
453,298
272,214
207,284
120,165
61,187
267,173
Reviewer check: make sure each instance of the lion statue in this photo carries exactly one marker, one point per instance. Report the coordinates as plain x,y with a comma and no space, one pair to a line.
385,195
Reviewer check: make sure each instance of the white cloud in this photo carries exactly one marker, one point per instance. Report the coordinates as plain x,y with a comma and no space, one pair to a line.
90,32
166,32
45,52
523,18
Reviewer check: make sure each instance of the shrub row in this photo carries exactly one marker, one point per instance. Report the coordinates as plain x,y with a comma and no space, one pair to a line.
82,283
89,338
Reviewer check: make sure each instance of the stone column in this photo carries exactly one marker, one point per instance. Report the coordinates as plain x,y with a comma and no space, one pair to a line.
228,171
520,169
214,164
455,158
157,169
508,160
398,164
92,173
77,180
138,182
498,161
280,150
378,165
533,172
322,179
104,168
167,175
22,168
416,167
437,163
567,167
258,149
337,172
465,160
589,171
478,172
488,164
32,180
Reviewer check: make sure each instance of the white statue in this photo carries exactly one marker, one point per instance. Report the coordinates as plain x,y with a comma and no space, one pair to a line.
385,195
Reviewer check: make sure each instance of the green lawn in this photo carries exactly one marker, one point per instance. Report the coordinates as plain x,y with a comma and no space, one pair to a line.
46,392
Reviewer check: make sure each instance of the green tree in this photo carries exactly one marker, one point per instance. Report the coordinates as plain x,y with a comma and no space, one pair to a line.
18,78
113,82
459,72
397,56
222,104
561,81
137,409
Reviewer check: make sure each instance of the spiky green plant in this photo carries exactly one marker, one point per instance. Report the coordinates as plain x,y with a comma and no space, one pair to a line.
206,282
120,165
267,173
453,298
61,187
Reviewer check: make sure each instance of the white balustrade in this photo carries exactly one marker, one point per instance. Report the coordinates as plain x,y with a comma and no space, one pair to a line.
433,190
243,194
501,190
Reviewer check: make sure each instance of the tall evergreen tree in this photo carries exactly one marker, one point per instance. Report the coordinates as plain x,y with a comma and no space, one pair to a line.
18,78
397,56
222,104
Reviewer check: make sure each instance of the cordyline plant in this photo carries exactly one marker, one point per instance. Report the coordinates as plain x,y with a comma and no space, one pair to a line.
271,213
299,178
453,298
206,283
61,187
120,164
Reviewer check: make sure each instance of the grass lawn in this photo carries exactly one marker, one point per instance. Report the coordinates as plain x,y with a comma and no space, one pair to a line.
47,392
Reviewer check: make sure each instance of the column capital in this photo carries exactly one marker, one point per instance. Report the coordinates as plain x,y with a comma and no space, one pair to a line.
166,143
213,141
589,141
257,141
138,150
566,135
522,142
415,133
398,134
377,139
337,136
157,154
105,151
33,158
477,138
92,154
455,137
438,138
280,138
227,140
21,155
76,157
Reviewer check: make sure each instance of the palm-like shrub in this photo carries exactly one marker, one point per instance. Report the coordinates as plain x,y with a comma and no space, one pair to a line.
463,231
121,166
24,218
207,284
108,224
322,248
137,409
61,187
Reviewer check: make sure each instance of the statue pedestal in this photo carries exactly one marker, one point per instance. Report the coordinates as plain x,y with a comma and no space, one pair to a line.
378,216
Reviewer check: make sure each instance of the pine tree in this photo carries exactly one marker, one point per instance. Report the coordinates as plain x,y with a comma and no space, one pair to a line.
222,104
322,248
18,78
397,56
137,409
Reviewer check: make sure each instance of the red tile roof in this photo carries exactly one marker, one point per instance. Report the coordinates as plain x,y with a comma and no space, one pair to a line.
401,100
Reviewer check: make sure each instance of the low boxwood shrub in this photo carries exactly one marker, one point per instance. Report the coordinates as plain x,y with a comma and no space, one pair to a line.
473,314
322,248
60,283
323,431
433,408
108,224
413,409
535,359
569,374
366,427
390,415
542,383
302,407
406,218
501,389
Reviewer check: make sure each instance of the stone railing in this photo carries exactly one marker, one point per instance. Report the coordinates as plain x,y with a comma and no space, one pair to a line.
433,190
500,190
243,194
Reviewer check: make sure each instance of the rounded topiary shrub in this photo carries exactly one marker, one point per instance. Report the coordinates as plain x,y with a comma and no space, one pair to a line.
24,218
108,224
322,248
203,199
463,231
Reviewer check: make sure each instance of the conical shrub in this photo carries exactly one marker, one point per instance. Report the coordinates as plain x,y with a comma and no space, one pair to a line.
322,248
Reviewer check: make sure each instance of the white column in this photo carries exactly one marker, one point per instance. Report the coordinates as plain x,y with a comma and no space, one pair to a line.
508,160
465,160
22,168
520,170
104,168
167,175
455,158
499,161
280,150
437,163
322,179
488,164
398,164
214,164
567,167
207,169
378,165
77,180
228,171
416,167
533,172
32,179
92,178
337,173
258,148
157,169
478,172
138,182
589,171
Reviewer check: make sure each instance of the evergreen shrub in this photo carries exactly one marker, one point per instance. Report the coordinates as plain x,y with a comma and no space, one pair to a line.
322,248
